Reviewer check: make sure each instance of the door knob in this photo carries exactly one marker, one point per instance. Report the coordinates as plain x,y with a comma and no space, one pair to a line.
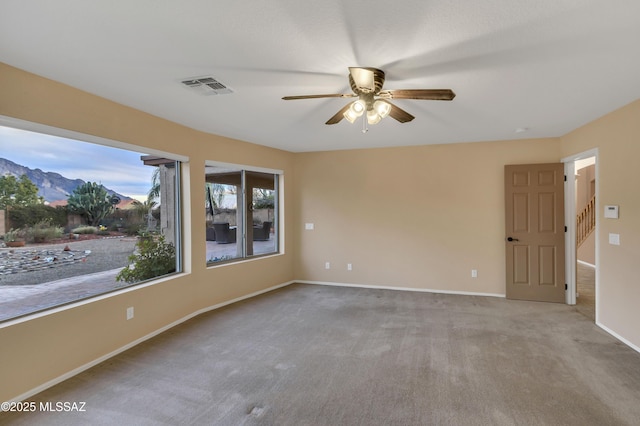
512,239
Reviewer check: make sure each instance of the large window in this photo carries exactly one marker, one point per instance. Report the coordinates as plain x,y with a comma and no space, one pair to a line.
80,217
241,213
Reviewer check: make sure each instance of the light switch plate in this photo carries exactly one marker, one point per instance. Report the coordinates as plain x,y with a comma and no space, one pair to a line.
614,239
308,226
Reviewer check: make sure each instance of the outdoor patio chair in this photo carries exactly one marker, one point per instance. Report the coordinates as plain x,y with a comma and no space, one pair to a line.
224,234
262,233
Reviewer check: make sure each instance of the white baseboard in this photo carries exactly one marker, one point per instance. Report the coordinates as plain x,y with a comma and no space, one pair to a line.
103,358
617,336
423,290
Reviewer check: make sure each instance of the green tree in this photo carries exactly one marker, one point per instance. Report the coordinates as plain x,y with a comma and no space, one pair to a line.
154,192
215,194
18,192
92,202
145,210
263,198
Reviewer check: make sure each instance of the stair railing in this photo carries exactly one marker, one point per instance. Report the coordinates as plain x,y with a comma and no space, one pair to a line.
586,221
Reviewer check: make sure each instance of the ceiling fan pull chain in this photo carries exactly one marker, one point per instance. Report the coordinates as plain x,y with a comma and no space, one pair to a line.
364,123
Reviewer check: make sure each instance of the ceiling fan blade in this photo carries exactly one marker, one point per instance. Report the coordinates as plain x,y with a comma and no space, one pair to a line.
339,115
400,114
333,95
364,78
424,94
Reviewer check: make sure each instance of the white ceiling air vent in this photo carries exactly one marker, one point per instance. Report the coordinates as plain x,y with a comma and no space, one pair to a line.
206,86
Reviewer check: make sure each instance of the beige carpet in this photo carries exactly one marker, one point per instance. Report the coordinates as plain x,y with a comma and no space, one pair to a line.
314,355
586,289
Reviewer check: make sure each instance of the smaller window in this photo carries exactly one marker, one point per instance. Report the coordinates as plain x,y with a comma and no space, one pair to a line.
241,213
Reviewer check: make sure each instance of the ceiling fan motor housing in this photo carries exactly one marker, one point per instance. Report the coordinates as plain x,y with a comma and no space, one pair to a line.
370,80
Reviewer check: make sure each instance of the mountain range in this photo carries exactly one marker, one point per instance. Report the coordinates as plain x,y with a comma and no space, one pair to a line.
51,186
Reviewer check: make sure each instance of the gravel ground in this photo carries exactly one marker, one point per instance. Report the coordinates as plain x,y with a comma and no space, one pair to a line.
106,254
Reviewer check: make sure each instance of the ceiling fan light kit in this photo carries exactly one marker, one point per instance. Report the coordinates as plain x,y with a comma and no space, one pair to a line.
355,110
366,84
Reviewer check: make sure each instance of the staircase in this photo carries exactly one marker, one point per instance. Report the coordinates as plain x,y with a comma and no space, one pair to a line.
586,221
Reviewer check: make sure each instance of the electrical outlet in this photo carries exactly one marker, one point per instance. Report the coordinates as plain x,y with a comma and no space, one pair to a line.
327,265
349,267
474,273
309,226
129,312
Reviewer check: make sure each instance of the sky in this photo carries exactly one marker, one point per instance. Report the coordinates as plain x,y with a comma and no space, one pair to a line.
117,169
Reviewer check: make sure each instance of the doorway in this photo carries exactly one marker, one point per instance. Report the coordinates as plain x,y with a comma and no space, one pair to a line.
585,181
582,220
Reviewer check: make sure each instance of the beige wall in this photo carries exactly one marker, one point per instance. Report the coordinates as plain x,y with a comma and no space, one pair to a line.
587,251
584,180
36,351
419,217
616,137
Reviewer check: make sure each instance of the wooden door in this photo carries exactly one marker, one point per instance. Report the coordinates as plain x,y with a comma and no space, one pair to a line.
534,201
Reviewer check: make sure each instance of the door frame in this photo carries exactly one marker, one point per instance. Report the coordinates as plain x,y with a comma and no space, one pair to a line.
570,221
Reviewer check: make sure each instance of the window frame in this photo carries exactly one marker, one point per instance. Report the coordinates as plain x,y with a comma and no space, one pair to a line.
277,217
179,160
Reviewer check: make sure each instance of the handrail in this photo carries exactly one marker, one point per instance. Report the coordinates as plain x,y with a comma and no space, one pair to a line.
586,221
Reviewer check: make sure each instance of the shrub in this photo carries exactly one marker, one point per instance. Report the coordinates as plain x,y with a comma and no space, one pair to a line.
85,229
13,235
21,217
133,228
155,257
42,232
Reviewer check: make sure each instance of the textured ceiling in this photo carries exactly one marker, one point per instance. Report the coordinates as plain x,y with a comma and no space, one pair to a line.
546,65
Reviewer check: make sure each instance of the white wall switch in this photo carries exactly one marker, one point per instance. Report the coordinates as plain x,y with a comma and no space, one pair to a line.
129,312
474,273
327,265
614,239
349,267
309,226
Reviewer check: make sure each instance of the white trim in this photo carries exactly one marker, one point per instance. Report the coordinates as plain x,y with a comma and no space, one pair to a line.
582,262
238,167
617,336
570,248
83,137
570,235
88,300
130,345
240,260
381,287
581,156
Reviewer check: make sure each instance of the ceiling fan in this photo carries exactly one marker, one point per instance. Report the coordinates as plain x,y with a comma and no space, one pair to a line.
366,84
